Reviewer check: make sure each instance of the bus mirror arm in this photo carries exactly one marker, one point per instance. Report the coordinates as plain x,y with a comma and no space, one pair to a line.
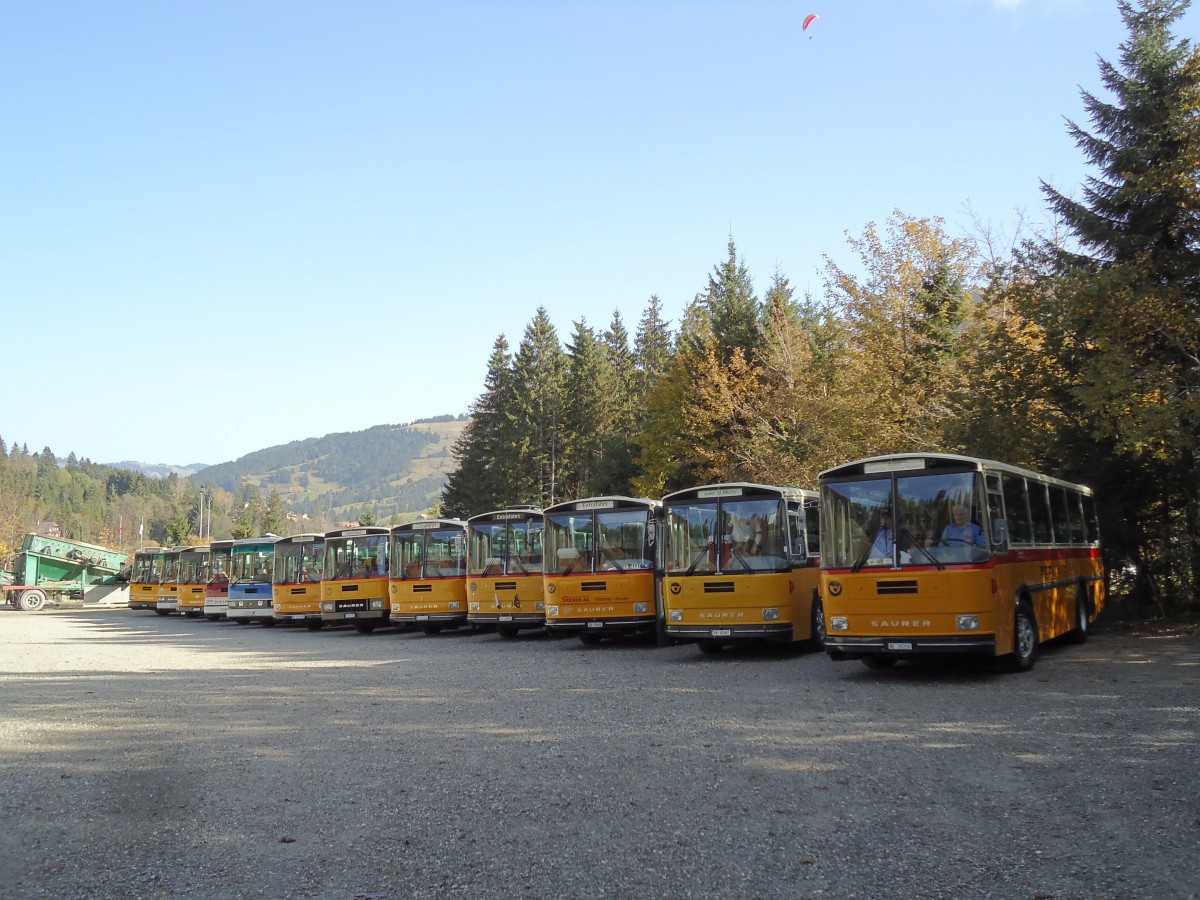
1000,534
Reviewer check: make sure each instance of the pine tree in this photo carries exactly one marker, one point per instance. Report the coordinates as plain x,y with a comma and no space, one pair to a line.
588,411
1126,313
538,370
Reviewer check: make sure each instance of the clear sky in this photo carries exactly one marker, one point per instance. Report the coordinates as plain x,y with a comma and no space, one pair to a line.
219,219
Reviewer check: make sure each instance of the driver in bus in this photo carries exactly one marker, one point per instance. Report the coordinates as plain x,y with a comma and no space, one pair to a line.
961,529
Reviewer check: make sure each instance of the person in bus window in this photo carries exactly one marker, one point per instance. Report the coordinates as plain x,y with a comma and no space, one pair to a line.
885,537
961,529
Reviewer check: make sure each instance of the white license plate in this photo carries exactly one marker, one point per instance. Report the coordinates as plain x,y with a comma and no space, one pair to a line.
899,645
505,619
297,617
350,615
595,624
721,632
422,618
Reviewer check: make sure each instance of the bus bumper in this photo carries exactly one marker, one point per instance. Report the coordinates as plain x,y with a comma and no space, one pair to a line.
781,631
901,646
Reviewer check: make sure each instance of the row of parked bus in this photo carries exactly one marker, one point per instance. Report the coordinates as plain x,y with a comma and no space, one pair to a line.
893,557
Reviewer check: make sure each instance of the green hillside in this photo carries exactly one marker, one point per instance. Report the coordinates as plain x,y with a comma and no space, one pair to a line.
390,468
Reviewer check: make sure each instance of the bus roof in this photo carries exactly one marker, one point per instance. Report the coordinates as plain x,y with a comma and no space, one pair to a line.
507,514
613,501
429,525
738,489
262,539
306,538
359,531
907,462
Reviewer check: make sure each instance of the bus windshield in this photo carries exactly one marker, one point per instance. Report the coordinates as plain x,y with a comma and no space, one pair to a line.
253,565
506,547
362,556
444,550
300,562
928,519
751,537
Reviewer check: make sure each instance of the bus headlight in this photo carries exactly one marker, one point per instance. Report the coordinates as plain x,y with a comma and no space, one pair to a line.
395,607
327,606
540,605
552,610
474,606
278,607
968,623
641,607
675,615
839,623
771,615
377,604
453,604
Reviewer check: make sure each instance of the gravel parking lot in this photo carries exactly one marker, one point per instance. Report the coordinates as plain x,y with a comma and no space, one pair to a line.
161,757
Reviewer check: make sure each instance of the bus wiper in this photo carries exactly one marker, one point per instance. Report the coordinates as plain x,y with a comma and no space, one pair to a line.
933,559
737,556
616,563
695,562
866,554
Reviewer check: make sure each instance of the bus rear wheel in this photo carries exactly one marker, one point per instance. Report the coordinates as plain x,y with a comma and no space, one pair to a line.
1025,637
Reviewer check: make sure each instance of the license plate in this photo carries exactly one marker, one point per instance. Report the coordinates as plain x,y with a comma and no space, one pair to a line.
505,619
297,617
350,615
595,624
899,645
422,618
721,632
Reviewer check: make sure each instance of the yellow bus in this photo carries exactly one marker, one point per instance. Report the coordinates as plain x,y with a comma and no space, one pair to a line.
193,581
740,563
428,580
145,575
354,583
504,570
168,588
930,553
600,567
216,576
297,593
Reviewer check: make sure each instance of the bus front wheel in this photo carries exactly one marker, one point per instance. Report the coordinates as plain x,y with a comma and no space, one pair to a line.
1079,634
1025,637
817,640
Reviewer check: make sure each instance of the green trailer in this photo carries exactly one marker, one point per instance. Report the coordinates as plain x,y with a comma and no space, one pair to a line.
55,570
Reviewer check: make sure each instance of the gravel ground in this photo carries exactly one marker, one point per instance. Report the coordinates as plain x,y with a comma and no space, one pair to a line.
160,757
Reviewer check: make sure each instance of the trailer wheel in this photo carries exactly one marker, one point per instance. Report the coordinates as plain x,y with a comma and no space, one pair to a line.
31,600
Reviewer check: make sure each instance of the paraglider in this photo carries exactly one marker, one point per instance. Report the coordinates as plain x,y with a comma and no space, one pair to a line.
808,20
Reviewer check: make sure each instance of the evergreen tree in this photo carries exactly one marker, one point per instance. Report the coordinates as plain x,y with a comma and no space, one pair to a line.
1125,315
653,348
275,515
733,308
588,410
538,371
485,451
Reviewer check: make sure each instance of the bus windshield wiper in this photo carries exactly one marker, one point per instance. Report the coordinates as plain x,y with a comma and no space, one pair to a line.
695,562
616,563
866,554
933,559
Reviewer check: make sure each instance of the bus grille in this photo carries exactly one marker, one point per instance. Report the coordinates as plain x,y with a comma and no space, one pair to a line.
593,585
718,587
422,588
506,585
896,587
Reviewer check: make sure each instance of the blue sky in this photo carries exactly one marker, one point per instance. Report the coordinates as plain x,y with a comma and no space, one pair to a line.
203,203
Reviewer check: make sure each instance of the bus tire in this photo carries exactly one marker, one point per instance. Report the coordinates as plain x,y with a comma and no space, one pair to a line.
268,623
364,627
879,662
1079,634
506,631
710,648
817,639
314,624
431,629
31,600
1025,637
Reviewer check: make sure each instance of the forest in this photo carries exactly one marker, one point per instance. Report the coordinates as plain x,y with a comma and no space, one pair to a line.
1073,350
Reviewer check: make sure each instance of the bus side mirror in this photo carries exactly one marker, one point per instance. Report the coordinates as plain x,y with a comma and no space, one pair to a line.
1000,534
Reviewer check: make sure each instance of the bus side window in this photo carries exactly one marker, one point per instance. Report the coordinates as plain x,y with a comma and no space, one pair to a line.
1016,509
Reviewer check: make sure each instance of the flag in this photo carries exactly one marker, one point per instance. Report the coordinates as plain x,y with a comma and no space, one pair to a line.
141,527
